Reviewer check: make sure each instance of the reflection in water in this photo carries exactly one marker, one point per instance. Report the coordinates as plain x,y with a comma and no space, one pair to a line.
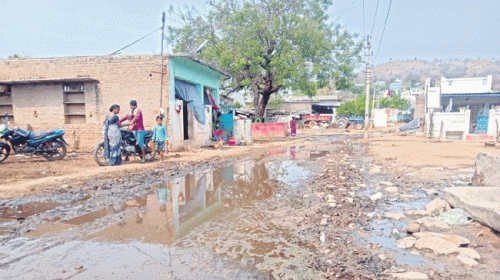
173,208
176,207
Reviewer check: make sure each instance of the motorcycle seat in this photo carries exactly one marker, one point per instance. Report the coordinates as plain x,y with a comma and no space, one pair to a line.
42,135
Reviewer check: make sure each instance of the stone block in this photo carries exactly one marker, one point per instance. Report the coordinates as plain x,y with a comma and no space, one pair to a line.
482,203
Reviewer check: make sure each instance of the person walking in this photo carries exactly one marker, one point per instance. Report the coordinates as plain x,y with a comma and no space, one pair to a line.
137,123
113,137
160,137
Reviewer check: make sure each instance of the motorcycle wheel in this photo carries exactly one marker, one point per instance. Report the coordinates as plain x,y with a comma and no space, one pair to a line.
60,150
99,155
359,126
4,152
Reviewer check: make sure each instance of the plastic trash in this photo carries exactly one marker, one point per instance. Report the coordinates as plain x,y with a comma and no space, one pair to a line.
455,216
415,124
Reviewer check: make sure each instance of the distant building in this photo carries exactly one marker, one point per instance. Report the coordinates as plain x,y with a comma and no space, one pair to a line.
396,86
472,93
466,85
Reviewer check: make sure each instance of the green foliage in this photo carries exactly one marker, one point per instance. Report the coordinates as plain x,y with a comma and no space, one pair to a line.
238,105
353,108
395,102
271,45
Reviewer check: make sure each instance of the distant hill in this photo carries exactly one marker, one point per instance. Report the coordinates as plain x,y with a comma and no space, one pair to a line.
420,69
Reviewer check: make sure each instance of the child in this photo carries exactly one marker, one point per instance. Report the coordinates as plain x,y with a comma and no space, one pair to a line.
160,137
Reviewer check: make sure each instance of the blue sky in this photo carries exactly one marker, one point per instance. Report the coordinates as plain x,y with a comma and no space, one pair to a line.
425,29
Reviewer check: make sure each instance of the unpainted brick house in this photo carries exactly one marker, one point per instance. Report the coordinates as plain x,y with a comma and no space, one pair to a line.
75,93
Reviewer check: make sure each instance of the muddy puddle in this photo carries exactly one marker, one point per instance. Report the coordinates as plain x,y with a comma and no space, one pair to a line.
214,220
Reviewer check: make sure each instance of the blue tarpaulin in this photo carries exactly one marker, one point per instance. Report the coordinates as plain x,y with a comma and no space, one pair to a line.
187,92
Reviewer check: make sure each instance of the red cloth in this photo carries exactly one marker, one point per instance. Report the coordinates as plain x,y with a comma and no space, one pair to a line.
212,102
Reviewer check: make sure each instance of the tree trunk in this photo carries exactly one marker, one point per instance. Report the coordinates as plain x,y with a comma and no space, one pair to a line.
263,104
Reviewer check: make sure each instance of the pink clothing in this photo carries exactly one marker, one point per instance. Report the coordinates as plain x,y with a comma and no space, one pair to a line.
137,121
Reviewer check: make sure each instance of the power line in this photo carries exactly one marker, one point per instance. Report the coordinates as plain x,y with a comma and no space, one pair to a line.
135,41
374,18
364,31
383,30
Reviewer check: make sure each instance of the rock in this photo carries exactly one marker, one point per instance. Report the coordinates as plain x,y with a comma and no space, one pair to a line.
415,252
394,216
455,239
437,206
395,231
331,187
406,242
374,170
436,244
430,222
482,203
430,191
407,196
486,170
64,186
410,276
376,196
466,260
413,227
332,204
469,252
386,183
322,237
323,222
330,197
306,196
391,189
417,213
349,200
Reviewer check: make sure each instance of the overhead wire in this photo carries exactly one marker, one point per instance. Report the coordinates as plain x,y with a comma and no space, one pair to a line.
383,30
374,18
135,41
364,30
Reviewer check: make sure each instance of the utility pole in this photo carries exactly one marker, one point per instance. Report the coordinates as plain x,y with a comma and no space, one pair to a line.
367,106
162,73
373,98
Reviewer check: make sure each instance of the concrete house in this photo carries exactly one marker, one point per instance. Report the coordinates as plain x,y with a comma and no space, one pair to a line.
75,93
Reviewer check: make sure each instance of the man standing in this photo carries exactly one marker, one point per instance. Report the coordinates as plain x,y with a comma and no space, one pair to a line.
137,126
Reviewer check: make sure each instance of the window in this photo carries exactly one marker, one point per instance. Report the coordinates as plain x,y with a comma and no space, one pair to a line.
6,109
74,103
450,83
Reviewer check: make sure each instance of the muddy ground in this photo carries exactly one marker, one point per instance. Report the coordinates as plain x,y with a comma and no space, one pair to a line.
278,210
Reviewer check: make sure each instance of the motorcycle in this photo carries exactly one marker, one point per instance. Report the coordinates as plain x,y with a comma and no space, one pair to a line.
129,147
49,144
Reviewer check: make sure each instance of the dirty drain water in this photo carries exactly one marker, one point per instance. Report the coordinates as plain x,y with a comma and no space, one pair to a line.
181,222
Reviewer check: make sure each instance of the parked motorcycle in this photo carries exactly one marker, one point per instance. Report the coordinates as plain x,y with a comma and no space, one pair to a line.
49,144
129,147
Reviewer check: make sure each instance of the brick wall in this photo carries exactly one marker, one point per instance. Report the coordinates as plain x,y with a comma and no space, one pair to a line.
120,79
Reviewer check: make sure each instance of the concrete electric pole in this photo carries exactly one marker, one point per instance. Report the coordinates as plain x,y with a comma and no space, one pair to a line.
162,73
368,70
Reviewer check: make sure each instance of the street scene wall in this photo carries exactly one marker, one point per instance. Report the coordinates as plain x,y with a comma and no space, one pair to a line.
120,79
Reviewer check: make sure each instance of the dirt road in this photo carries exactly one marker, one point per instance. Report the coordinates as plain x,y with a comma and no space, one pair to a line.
300,209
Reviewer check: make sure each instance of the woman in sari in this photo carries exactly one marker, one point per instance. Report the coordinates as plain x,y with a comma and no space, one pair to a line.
113,137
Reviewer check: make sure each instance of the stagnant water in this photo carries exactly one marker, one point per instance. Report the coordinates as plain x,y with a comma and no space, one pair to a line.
174,230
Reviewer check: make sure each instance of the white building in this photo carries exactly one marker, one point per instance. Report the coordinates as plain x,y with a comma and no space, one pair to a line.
466,85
